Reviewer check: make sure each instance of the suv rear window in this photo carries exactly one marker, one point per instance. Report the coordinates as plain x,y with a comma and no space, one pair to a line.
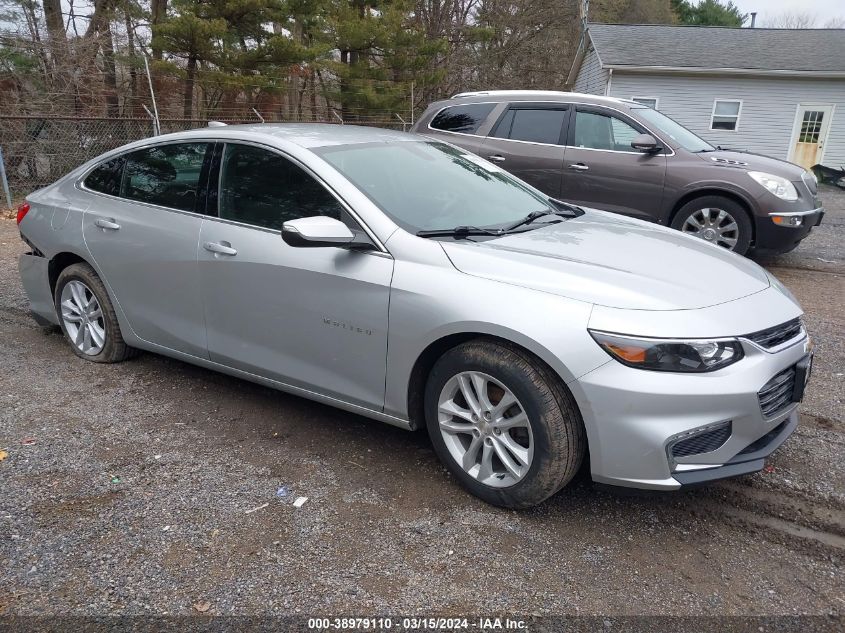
463,118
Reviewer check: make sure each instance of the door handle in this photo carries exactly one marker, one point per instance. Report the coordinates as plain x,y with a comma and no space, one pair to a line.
496,158
107,224
579,167
220,248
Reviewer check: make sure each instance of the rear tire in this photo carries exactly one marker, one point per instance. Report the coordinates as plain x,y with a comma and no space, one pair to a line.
87,317
718,220
535,445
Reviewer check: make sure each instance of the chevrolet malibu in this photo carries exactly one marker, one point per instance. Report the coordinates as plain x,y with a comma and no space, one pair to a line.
409,281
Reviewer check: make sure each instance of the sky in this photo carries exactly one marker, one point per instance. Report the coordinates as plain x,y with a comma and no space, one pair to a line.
823,9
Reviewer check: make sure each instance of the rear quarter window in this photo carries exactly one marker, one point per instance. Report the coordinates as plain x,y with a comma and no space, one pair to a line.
462,118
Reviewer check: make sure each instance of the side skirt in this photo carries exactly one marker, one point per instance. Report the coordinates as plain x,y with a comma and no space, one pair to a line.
274,384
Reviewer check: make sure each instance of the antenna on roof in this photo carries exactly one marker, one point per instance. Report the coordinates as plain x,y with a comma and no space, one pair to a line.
216,124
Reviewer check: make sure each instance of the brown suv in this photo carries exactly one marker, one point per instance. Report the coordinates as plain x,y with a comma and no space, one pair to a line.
625,157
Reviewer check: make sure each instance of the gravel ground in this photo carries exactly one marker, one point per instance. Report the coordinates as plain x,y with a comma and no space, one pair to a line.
149,487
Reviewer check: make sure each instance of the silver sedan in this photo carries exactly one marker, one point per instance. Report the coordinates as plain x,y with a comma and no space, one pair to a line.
411,282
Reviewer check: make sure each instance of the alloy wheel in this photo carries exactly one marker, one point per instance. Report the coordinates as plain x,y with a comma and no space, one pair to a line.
716,226
485,429
83,318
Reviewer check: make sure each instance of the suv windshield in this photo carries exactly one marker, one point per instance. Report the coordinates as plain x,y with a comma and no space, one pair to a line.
426,185
677,132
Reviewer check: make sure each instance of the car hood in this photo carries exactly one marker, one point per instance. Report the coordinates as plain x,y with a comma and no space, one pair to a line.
753,162
613,261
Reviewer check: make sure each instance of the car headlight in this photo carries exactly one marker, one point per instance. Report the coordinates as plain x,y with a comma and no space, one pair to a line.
678,355
780,187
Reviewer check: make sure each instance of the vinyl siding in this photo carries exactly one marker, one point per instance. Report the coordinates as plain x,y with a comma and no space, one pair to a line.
592,78
768,107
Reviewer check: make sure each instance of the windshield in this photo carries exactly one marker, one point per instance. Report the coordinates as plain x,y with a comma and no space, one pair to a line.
426,185
677,132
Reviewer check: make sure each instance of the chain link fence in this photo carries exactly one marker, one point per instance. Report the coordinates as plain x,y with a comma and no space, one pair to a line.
37,150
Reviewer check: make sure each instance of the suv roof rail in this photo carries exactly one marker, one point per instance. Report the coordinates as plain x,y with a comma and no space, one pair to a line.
216,124
469,94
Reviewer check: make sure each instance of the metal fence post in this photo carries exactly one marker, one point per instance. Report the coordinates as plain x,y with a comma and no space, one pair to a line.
5,181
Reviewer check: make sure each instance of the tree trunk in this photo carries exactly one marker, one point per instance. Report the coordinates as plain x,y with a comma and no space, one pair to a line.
134,107
158,11
110,76
188,101
55,23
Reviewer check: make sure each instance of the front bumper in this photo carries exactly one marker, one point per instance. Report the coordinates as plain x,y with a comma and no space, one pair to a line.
632,416
777,238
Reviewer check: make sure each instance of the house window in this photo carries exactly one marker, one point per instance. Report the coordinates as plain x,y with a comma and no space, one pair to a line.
725,115
651,102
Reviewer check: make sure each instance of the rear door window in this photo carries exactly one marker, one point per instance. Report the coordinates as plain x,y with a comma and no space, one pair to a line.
463,118
106,177
165,175
542,125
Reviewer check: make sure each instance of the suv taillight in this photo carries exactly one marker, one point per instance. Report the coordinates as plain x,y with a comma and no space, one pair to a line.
22,211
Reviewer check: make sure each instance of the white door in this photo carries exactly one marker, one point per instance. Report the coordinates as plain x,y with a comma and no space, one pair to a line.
811,125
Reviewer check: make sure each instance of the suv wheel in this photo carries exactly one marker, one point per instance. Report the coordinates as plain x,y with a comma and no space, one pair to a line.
502,424
87,316
718,220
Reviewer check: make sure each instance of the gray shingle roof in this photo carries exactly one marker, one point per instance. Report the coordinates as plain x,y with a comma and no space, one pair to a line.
719,47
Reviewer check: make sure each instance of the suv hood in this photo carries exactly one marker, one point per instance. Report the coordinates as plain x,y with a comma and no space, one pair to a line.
613,261
753,162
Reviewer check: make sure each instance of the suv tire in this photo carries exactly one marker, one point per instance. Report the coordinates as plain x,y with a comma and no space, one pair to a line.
718,220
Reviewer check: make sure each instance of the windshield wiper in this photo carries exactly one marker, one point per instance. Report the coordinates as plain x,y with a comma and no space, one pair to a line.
458,232
564,209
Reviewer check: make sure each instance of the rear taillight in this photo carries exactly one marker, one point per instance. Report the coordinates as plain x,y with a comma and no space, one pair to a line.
22,211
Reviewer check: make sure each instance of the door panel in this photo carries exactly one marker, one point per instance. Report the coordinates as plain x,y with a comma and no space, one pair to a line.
311,317
527,142
602,171
150,264
148,254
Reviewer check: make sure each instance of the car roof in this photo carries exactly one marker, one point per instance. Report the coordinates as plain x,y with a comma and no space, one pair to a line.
306,135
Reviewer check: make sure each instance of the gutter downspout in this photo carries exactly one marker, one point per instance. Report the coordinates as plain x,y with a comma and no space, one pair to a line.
609,82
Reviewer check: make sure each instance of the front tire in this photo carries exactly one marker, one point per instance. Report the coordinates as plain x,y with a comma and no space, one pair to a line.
87,317
503,424
718,220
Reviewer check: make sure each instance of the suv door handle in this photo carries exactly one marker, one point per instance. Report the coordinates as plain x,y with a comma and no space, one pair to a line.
220,248
579,166
107,223
496,158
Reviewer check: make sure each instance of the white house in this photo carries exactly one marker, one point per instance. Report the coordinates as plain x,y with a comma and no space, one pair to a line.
779,92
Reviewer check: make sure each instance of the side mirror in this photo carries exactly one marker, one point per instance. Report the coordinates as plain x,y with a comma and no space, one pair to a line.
316,231
645,143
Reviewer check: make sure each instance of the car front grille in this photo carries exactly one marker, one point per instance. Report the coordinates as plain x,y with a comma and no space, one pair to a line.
774,336
776,394
703,442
